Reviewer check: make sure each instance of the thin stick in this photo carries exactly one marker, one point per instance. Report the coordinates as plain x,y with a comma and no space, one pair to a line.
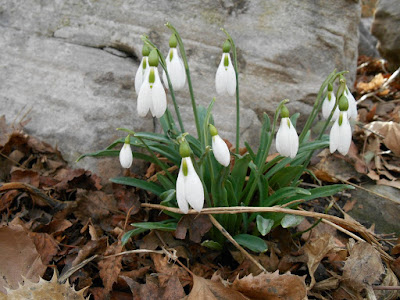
240,248
387,288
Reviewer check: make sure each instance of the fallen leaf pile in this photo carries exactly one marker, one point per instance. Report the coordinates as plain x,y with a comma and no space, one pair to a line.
55,219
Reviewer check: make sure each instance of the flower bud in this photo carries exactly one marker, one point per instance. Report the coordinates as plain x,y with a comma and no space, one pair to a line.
213,130
184,149
343,103
226,47
145,50
153,58
284,112
173,42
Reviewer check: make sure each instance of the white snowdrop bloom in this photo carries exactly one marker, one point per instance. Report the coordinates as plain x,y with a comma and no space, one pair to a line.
340,135
287,140
225,78
189,189
125,156
176,70
219,147
152,94
140,73
352,111
143,67
328,104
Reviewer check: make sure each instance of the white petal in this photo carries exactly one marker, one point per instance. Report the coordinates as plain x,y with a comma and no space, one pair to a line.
221,151
334,137
194,192
139,77
159,98
144,98
180,191
220,79
345,135
293,140
327,107
283,138
176,71
230,78
352,111
125,156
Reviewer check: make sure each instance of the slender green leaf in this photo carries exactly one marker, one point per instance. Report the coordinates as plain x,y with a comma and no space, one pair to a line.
264,226
284,176
165,182
294,118
291,221
251,242
99,154
168,195
148,186
239,173
127,235
168,225
284,193
212,245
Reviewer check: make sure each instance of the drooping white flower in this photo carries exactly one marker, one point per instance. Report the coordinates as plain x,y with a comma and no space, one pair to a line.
189,189
287,140
340,135
143,67
225,78
152,94
352,111
125,155
329,103
219,147
176,70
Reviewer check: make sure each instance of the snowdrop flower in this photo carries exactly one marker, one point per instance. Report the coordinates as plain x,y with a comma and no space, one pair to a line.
225,79
125,155
329,104
340,135
220,149
152,94
175,67
189,189
352,112
287,141
144,65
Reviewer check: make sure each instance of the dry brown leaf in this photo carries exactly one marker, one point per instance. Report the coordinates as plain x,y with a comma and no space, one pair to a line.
18,257
45,245
391,132
395,184
316,251
363,267
374,84
212,290
197,225
173,290
271,286
111,267
26,176
167,269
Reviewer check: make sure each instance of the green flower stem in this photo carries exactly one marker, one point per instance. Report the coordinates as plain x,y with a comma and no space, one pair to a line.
259,170
205,134
171,89
235,66
163,166
185,63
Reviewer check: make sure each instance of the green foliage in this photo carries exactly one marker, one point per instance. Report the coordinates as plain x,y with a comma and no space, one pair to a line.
251,180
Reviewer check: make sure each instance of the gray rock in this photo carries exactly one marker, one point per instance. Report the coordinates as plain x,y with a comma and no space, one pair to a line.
367,42
73,62
385,27
372,209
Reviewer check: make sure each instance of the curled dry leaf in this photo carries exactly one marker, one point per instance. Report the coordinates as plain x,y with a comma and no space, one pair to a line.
197,226
363,267
111,267
213,290
167,269
316,250
271,286
18,258
374,84
390,131
45,245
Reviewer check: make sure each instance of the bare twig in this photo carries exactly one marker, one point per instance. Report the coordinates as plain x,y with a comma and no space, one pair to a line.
240,248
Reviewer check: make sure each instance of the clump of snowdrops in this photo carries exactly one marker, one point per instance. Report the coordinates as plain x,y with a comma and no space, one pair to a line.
207,173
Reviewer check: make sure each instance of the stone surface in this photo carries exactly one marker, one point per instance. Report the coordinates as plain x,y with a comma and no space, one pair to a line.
367,42
385,27
73,62
372,209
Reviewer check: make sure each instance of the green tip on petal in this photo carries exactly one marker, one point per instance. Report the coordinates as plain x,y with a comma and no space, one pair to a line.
226,60
128,139
173,42
184,167
153,58
330,87
340,118
213,130
343,103
184,149
152,76
144,64
226,47
284,112
145,50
